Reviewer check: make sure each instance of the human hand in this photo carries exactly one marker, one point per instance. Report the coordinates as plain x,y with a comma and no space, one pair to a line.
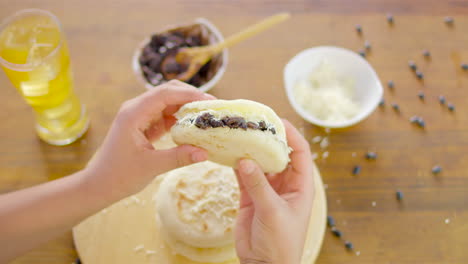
126,162
274,210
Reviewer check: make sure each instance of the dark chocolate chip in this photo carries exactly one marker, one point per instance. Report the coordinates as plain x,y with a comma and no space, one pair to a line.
451,107
356,170
367,45
78,261
336,232
464,66
216,123
154,62
412,65
399,195
421,95
330,221
436,169
158,41
235,122
193,41
358,29
426,53
171,66
262,125
349,245
390,18
203,121
449,20
420,75
371,155
382,102
441,99
252,125
362,53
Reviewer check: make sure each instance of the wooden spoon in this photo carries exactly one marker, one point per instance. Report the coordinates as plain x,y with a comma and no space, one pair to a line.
194,58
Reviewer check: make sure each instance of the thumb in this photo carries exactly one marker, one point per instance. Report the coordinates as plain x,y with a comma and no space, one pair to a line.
183,155
256,184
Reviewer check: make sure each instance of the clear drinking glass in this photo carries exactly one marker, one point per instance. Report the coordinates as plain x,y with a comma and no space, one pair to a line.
34,56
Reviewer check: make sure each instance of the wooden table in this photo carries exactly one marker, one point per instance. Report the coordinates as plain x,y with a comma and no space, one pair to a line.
428,226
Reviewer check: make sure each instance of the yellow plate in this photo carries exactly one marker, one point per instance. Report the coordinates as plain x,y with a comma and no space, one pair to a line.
126,231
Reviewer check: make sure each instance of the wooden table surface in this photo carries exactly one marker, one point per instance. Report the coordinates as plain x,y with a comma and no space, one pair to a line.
103,34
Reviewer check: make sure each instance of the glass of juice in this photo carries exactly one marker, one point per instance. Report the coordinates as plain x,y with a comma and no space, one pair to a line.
34,56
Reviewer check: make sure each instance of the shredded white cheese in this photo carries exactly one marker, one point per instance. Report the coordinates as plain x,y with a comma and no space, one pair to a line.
326,95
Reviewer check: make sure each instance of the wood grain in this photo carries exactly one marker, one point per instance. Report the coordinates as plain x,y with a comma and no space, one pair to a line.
103,34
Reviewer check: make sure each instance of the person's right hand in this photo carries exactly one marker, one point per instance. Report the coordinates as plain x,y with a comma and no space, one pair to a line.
274,209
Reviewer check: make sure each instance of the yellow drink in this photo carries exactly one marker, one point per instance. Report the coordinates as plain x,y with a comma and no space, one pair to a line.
34,56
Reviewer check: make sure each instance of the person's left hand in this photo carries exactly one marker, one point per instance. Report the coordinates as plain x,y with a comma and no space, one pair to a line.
126,162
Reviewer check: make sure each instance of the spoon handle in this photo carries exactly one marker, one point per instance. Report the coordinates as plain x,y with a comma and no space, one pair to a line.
250,32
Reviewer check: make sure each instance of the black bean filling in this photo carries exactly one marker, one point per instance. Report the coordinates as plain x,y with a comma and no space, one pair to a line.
207,120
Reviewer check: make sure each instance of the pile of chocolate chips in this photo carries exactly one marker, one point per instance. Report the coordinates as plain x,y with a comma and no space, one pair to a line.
167,44
207,120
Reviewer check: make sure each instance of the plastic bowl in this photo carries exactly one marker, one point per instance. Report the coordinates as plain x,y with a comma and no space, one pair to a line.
368,88
206,86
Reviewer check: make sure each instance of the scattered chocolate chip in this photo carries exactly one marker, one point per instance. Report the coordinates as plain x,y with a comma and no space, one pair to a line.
262,125
451,107
414,119
358,29
252,125
426,53
390,84
367,45
396,107
362,53
420,75
349,245
356,170
421,123
412,65
330,221
464,66
418,121
436,169
421,95
336,232
390,18
399,195
382,102
272,130
449,20
441,99
77,261
371,155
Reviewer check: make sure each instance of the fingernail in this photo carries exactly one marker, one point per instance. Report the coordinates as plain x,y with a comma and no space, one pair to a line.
198,156
248,166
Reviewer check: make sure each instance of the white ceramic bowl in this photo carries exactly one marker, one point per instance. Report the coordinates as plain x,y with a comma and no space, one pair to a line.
368,89
205,87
